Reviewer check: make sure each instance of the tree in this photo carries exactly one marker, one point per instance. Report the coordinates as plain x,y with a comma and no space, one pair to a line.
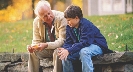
33,1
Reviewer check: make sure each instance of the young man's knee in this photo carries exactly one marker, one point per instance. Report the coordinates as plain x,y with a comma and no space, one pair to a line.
84,51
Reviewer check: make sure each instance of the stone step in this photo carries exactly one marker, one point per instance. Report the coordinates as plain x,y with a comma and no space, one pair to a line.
113,62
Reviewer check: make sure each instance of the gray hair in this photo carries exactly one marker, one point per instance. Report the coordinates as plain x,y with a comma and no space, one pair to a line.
40,4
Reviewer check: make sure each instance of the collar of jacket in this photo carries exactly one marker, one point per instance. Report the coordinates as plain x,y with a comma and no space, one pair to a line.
52,25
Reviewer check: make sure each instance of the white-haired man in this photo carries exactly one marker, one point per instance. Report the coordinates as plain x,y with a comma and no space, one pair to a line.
49,31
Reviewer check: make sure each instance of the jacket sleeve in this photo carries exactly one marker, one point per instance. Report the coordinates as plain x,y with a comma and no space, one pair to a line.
68,43
86,38
37,37
60,32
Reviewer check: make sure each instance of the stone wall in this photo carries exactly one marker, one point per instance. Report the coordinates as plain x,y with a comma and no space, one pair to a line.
113,62
12,62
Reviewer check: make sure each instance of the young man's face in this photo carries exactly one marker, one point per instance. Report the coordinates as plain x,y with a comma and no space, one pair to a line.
73,22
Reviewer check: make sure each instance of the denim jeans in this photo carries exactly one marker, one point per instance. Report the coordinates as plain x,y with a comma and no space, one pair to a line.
85,56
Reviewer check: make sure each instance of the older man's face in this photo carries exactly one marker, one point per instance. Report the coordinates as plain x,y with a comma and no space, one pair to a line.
46,14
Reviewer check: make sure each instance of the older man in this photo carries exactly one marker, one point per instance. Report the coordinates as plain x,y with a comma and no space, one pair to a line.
49,29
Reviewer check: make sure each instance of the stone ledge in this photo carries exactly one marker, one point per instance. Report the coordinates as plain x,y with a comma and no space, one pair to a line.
117,62
114,58
114,68
18,62
13,57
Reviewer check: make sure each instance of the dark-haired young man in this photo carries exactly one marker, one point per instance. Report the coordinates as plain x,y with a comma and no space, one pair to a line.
83,41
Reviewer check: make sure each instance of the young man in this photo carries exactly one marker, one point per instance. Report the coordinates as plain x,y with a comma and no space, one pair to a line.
49,32
83,41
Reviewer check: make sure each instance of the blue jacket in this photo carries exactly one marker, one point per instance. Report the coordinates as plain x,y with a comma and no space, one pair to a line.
89,34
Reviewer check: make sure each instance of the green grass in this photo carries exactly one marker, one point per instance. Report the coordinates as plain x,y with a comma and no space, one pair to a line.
117,29
15,36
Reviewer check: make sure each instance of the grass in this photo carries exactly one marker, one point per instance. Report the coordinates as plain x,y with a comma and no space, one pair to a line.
14,36
117,29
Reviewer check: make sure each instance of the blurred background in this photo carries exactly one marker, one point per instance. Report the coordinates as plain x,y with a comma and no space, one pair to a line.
113,17
12,10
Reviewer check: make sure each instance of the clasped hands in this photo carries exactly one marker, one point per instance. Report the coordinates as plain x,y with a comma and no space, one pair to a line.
36,47
62,53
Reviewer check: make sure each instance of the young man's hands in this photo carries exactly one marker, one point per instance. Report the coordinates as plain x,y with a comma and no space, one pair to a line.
38,47
62,53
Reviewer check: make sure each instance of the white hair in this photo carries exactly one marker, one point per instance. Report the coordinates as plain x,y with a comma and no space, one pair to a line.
40,4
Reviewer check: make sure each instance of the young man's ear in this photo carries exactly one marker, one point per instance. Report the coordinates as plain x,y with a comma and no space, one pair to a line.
76,17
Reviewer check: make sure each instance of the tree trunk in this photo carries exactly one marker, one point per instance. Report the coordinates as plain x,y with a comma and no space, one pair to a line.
33,1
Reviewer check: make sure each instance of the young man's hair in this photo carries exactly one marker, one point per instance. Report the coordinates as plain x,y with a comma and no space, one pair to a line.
72,11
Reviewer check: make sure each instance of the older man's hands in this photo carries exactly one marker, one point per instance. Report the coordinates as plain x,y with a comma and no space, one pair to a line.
36,47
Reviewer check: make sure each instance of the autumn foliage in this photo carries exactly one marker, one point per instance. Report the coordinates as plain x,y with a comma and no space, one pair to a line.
18,10
22,9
